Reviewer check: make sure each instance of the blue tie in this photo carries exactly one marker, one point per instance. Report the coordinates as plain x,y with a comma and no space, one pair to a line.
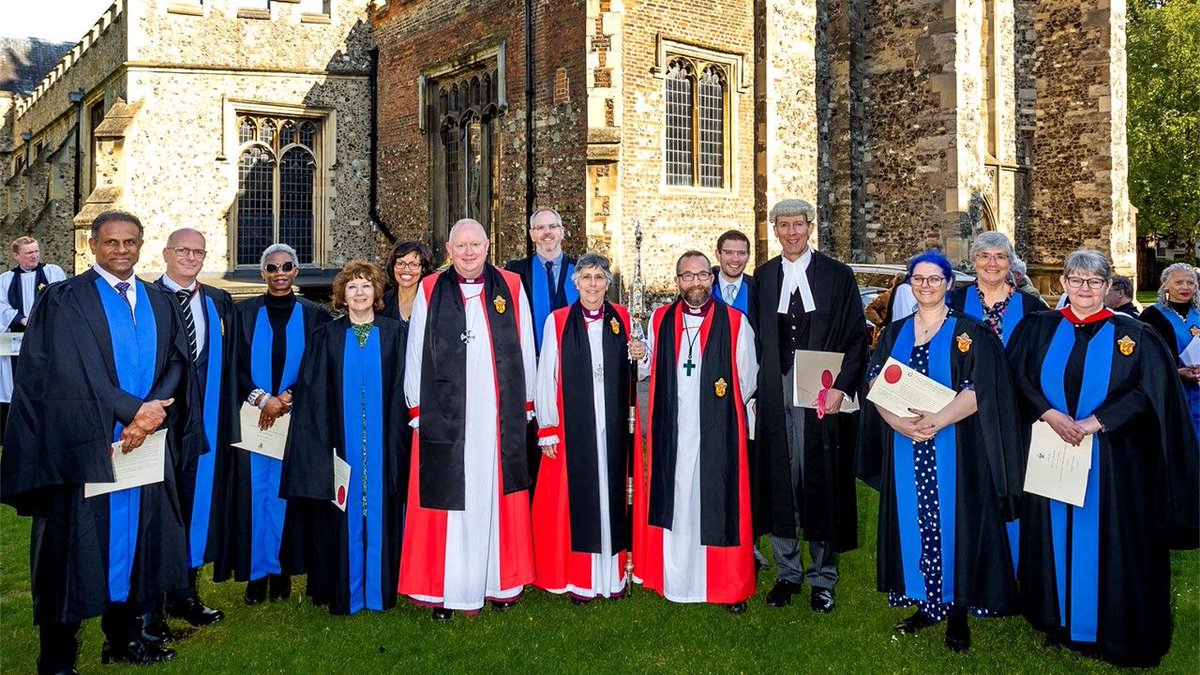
550,285
123,288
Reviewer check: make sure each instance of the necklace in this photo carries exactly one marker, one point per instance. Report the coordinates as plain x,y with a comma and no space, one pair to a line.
931,327
689,365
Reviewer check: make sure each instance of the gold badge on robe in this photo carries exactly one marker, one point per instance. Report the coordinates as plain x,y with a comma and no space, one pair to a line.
616,327
1195,331
42,287
720,387
964,343
1126,345
222,327
500,304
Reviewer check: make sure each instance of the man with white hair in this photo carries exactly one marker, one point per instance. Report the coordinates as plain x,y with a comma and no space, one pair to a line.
467,532
19,287
806,452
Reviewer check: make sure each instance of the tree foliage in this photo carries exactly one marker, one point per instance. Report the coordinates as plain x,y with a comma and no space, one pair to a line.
1163,48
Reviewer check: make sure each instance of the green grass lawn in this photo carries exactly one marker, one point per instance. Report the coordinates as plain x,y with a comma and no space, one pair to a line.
547,633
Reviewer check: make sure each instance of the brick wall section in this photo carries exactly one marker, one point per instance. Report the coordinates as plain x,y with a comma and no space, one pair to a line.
833,137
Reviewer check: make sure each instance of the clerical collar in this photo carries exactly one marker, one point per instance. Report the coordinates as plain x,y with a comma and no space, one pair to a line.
464,280
1094,318
590,315
698,311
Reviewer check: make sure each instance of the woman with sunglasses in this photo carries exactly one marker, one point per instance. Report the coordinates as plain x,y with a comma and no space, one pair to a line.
1097,578
410,262
263,544
949,478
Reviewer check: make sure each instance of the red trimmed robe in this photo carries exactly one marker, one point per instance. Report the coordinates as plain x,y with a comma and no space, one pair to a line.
673,562
461,559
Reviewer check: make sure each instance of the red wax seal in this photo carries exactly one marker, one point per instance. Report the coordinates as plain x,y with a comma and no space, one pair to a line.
891,374
826,379
341,494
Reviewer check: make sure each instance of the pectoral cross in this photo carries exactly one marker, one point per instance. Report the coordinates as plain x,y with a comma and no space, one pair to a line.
467,336
688,366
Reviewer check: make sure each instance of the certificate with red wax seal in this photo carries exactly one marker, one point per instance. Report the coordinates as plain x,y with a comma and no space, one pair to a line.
815,373
341,481
899,388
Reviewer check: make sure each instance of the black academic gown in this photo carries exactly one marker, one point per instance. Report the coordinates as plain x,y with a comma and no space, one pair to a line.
751,293
234,508
317,427
826,499
1147,488
66,403
988,471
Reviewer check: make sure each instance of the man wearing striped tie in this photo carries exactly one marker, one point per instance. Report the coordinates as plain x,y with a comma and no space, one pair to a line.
208,316
104,363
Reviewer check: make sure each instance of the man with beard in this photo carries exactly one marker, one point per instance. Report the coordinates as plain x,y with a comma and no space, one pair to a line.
806,301
693,530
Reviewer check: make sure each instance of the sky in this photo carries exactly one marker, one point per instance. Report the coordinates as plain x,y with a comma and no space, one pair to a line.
55,20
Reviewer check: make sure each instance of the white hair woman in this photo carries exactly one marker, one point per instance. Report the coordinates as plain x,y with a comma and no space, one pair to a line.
1097,577
1176,317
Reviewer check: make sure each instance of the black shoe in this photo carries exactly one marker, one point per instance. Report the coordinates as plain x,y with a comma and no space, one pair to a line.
503,605
822,600
919,621
195,612
781,594
736,608
958,634
155,630
281,586
256,592
442,615
579,602
65,671
137,652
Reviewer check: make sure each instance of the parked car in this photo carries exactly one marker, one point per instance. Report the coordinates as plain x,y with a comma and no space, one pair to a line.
874,279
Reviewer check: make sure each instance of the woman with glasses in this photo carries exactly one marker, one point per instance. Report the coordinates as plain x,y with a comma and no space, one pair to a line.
264,535
353,375
1096,577
948,478
410,262
581,525
1176,317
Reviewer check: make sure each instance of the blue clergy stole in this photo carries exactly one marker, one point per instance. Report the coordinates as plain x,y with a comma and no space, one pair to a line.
1185,330
206,464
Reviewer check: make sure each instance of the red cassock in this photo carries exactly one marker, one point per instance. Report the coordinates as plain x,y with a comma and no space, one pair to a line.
729,571
559,568
423,560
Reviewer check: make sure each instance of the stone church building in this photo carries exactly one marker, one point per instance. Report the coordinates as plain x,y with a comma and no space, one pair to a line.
339,125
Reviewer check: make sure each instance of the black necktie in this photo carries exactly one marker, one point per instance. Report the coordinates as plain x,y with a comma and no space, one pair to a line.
550,285
189,323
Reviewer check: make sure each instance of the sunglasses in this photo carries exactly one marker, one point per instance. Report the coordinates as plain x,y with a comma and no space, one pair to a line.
272,268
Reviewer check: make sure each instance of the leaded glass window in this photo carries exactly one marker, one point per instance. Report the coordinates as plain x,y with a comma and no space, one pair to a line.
696,123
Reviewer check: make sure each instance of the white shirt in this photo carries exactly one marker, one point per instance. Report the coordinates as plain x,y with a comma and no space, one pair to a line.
795,278
112,280
730,295
199,312
904,303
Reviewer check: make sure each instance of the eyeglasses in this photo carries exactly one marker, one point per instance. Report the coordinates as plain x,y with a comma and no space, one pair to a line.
402,265
185,252
740,254
544,228
272,268
992,257
585,278
1094,283
927,281
689,277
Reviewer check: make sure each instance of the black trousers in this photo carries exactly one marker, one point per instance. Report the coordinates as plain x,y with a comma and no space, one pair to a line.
121,623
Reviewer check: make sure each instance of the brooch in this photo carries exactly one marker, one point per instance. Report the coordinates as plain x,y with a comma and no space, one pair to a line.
1195,331
616,327
720,387
500,304
964,343
1126,345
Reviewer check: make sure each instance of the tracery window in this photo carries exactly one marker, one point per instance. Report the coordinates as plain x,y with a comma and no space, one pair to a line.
696,121
278,170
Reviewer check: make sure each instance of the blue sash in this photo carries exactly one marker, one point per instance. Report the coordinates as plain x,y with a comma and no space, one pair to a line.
1183,337
135,349
1078,599
202,503
741,301
904,473
267,510
362,383
1012,315
544,297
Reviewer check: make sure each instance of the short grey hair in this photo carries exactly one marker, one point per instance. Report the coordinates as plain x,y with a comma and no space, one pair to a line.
1018,266
588,260
546,209
278,248
1166,274
1087,260
793,207
989,241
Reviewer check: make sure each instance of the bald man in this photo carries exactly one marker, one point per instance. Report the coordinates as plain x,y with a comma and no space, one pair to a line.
467,535
208,315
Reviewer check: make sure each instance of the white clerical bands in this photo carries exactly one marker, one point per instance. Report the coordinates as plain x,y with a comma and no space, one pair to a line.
795,278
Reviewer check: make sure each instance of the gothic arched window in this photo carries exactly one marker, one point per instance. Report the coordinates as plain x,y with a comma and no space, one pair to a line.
696,121
278,170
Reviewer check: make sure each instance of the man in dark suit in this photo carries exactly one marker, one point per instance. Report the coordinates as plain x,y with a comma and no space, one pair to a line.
208,317
732,285
104,364
806,301
546,276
